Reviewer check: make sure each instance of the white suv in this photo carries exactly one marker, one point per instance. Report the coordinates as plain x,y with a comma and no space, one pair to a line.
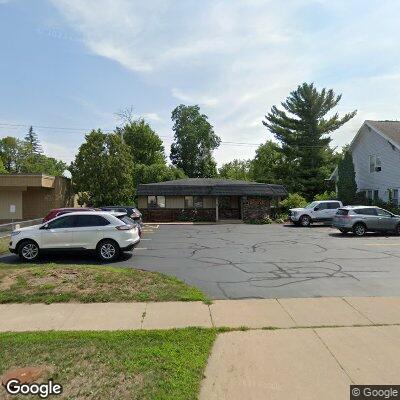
317,211
92,230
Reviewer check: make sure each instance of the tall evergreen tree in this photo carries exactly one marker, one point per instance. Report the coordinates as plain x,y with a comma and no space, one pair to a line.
33,141
346,185
194,142
303,129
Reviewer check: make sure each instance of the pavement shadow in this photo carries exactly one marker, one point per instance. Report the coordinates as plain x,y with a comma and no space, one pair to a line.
65,259
369,234
313,226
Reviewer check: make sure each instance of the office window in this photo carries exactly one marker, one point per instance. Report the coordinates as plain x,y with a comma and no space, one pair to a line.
156,201
188,201
198,202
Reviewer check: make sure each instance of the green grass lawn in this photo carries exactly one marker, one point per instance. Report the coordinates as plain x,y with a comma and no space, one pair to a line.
52,283
4,244
134,365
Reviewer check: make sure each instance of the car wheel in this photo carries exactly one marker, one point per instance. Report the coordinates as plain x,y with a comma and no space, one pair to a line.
359,229
397,230
108,250
28,251
305,220
343,230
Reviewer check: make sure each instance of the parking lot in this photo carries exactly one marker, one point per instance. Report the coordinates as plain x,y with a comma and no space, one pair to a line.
265,261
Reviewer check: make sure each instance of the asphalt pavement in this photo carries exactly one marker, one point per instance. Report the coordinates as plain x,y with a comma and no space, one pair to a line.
265,261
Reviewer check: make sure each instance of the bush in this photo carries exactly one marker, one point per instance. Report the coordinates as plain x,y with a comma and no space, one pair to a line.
326,196
294,200
263,221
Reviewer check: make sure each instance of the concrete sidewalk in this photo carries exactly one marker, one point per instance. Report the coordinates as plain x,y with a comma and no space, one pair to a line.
282,313
301,364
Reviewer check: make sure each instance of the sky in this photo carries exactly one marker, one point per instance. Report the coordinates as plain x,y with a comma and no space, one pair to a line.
69,66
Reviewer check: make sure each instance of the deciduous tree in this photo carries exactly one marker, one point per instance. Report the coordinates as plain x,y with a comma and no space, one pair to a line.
102,171
194,142
236,169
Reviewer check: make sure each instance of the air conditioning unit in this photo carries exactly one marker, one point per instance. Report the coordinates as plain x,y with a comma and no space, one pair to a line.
378,169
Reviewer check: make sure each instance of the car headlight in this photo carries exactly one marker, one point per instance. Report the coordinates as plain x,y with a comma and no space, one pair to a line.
15,233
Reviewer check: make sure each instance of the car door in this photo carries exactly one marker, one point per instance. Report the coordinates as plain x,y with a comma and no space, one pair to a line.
371,218
320,212
333,206
57,234
385,220
88,230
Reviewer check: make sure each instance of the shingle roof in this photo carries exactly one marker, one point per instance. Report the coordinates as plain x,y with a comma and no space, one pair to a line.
211,187
391,129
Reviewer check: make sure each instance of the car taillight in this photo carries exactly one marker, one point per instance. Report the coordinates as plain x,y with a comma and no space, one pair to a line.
125,227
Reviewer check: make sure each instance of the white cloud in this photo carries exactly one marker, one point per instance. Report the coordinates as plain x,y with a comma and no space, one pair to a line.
238,58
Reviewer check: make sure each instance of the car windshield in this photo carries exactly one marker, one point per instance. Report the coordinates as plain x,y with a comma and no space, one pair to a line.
311,205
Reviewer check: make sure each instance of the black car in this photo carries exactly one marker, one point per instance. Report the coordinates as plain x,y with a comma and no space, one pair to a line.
131,211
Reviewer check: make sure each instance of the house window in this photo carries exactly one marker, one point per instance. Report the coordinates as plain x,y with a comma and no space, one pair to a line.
376,194
156,201
188,201
198,201
375,164
395,197
369,194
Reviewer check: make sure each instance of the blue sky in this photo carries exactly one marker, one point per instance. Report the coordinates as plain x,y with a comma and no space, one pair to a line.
74,63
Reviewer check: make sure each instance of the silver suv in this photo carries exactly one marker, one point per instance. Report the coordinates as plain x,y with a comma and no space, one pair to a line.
361,219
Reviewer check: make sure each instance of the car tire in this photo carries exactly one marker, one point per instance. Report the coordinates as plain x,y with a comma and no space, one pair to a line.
343,230
359,229
108,250
397,230
28,251
305,221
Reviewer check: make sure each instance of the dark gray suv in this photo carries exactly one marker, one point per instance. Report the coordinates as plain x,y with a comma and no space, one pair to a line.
362,219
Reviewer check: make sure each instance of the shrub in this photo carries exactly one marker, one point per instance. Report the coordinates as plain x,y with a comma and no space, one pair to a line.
325,196
294,200
263,221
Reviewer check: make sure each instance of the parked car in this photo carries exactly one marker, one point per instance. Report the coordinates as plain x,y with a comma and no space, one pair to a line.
60,211
131,211
317,211
95,231
123,216
362,219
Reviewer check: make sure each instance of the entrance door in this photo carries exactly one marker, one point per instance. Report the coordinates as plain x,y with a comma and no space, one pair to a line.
228,207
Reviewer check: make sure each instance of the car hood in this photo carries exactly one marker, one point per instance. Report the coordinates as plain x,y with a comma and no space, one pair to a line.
29,228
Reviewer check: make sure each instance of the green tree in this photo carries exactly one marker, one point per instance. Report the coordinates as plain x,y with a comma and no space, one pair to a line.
156,173
268,164
13,152
194,142
236,169
102,171
32,140
2,168
41,164
346,185
303,129
146,146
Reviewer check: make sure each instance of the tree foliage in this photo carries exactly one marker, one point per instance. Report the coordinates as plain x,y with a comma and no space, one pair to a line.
268,165
303,129
32,140
102,171
146,146
346,185
18,157
156,173
236,169
194,142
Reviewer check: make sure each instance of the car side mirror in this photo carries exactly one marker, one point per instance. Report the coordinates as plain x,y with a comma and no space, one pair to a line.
316,208
45,226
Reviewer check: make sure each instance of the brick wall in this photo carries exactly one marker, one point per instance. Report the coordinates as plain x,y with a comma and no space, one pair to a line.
256,208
